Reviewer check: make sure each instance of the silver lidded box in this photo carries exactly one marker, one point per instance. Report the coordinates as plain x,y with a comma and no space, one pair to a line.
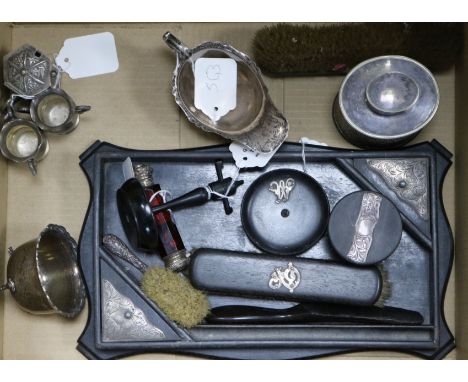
385,102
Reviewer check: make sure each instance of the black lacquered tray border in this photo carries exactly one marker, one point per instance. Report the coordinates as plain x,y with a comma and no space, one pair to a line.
92,347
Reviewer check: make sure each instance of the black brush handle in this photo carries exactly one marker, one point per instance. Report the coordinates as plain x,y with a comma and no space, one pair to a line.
193,198
283,277
313,312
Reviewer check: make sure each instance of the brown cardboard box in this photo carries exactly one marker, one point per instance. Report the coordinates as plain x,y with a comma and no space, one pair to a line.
134,108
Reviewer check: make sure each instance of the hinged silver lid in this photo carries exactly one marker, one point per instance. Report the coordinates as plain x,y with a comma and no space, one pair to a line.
388,97
26,71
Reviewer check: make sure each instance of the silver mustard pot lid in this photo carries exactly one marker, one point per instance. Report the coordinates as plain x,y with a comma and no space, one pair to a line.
26,71
389,97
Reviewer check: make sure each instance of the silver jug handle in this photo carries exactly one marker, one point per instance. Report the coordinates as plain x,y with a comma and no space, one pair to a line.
32,166
23,109
10,108
9,285
55,77
175,44
82,109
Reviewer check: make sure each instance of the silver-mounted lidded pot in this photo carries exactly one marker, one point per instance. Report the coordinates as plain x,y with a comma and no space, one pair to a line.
32,76
385,102
255,122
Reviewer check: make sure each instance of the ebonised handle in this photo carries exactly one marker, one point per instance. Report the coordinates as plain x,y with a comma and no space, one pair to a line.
193,198
284,277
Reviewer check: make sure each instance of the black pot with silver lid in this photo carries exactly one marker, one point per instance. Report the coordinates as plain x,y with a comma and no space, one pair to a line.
385,102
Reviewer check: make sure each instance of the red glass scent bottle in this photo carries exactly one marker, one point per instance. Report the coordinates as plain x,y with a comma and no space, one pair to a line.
171,246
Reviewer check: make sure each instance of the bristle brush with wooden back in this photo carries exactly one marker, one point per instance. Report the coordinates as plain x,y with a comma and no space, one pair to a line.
311,50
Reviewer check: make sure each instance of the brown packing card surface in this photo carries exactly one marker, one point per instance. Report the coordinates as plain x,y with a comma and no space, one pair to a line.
134,108
461,242
5,41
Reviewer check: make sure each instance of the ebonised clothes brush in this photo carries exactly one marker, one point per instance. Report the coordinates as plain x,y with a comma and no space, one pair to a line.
170,291
287,278
328,292
301,50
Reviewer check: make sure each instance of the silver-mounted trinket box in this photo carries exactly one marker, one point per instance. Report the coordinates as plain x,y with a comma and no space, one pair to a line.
255,122
385,102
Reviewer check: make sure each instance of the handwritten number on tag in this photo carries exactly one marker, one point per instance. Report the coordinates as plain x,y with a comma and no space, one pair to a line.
215,86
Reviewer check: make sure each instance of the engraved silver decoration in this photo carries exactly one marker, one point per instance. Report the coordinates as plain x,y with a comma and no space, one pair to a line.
407,178
255,122
365,224
26,71
118,248
289,277
122,320
282,189
43,275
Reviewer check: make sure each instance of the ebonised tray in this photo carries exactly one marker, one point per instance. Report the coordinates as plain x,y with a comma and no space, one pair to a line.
122,321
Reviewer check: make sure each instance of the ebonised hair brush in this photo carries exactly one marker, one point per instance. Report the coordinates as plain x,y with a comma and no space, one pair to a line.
170,291
292,50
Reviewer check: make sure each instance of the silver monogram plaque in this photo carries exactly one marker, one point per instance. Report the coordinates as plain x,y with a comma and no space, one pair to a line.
282,189
289,277
364,228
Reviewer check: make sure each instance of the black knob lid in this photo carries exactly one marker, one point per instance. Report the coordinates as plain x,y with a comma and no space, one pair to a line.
136,216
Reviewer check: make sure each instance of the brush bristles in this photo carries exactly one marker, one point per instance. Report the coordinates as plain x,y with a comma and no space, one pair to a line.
285,49
176,297
386,292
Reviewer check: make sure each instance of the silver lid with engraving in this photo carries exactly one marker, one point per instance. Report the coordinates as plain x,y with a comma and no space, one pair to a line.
27,71
385,101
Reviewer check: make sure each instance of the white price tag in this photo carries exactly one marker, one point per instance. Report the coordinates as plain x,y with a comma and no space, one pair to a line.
215,86
246,157
89,55
308,141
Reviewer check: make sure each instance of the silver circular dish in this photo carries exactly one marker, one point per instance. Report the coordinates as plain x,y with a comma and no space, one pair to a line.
385,101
